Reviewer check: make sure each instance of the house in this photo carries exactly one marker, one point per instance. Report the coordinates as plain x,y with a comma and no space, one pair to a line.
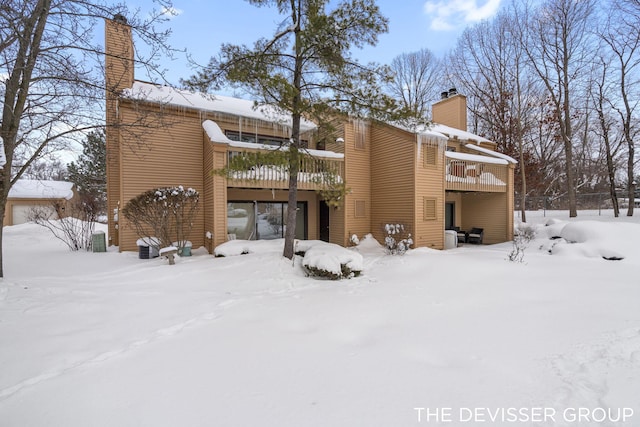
26,195
427,179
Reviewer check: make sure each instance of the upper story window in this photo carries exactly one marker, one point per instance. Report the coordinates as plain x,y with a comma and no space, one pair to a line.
260,139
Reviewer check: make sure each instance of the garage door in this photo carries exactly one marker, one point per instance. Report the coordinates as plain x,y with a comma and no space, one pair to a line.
22,213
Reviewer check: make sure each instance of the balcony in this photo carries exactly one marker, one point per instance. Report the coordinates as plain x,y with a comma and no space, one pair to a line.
317,170
467,172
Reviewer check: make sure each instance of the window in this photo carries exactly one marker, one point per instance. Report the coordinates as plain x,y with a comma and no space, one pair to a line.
361,209
260,139
263,220
430,211
430,156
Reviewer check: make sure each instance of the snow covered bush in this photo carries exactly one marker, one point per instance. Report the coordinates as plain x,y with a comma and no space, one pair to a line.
73,223
395,243
522,236
329,261
165,213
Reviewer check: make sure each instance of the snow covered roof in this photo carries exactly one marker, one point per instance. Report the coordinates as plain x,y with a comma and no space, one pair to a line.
215,103
475,158
450,132
492,153
40,189
215,134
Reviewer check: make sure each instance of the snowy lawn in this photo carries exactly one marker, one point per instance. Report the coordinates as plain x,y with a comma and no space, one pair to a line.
107,339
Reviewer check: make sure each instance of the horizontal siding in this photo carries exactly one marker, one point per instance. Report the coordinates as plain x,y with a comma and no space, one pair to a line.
488,211
392,179
358,179
429,184
170,156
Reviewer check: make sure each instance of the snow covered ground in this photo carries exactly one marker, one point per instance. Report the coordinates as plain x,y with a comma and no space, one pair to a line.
457,337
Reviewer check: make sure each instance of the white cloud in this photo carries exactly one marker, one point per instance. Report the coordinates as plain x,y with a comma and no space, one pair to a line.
170,12
448,14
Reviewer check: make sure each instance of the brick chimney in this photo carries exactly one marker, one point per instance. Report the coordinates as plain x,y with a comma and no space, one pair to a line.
451,110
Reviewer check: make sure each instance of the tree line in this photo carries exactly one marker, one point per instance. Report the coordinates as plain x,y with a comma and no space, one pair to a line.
555,84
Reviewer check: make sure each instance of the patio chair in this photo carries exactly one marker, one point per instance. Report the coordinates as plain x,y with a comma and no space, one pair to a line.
475,235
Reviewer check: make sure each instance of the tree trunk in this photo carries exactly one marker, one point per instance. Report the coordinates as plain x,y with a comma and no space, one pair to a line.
292,205
294,159
631,180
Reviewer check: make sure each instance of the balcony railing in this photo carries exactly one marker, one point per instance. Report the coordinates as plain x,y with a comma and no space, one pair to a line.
467,175
315,173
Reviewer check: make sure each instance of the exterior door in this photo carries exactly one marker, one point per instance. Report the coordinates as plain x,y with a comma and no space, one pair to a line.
449,215
324,221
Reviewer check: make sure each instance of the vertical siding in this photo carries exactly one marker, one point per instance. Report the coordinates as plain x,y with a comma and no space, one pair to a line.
358,179
169,156
510,202
206,200
392,179
429,184
219,200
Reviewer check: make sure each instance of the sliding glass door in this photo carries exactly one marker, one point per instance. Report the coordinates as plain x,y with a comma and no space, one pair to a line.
263,220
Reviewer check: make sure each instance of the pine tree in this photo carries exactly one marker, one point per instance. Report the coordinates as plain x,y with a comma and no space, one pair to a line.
89,174
306,69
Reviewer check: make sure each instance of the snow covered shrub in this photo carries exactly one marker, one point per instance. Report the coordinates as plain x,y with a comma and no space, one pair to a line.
522,236
395,243
165,213
329,261
73,223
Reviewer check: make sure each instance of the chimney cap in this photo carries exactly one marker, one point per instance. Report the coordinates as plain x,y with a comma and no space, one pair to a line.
444,94
453,91
120,18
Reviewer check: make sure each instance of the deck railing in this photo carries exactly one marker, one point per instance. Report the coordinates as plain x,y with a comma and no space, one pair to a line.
467,175
315,173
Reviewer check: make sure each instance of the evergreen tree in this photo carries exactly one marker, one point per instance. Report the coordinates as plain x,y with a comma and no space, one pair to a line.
89,174
306,69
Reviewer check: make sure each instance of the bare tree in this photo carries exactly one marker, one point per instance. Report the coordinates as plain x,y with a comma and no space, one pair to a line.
416,79
621,37
488,64
53,91
557,44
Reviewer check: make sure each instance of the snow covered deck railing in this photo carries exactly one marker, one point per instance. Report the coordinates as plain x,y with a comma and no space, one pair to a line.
315,173
467,172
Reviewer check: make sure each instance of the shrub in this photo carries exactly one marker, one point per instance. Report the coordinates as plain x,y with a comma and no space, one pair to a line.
73,223
329,261
395,243
165,213
522,236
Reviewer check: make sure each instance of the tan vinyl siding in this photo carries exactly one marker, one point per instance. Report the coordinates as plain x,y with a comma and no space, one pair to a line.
429,196
358,180
206,200
219,196
337,232
487,211
170,156
451,112
118,75
392,179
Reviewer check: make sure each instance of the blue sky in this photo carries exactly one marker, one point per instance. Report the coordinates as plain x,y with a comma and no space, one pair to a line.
201,26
